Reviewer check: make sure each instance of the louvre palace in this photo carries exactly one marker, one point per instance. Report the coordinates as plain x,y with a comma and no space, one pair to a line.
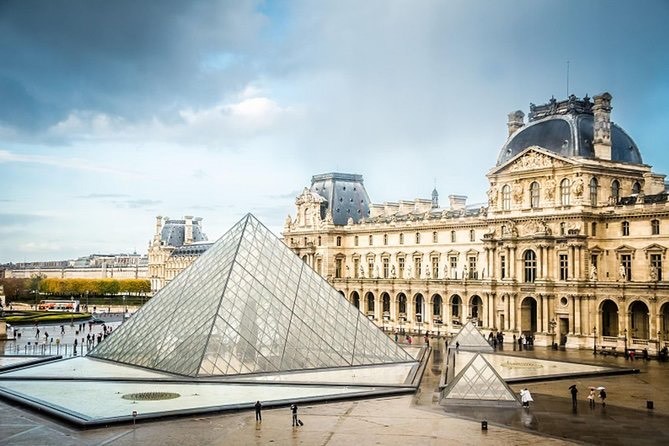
570,248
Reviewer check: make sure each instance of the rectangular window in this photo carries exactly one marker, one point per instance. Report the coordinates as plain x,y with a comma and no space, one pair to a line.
418,264
386,267
452,236
564,266
370,267
371,240
594,229
356,268
338,266
338,240
656,267
472,235
626,228
502,262
385,239
626,263
319,266
655,227
435,267
400,267
401,239
355,241
454,267
435,237
473,273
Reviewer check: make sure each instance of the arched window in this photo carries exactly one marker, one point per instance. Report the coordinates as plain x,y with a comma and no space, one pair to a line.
355,241
453,237
593,191
385,239
435,237
401,238
534,194
506,197
339,240
371,240
418,238
319,240
455,306
615,191
636,188
472,235
565,196
530,265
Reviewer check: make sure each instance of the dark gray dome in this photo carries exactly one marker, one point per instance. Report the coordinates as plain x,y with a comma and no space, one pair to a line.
345,196
174,233
568,135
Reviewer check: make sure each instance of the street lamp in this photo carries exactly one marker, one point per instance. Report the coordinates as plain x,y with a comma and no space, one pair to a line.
594,340
625,334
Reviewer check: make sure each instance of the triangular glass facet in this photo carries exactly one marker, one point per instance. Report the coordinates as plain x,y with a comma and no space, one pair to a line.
470,338
248,305
479,382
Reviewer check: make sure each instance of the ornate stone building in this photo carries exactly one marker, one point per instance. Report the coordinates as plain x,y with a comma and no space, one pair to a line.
570,248
175,245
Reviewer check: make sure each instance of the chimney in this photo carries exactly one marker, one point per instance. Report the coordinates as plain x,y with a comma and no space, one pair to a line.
516,121
602,112
188,234
159,224
457,201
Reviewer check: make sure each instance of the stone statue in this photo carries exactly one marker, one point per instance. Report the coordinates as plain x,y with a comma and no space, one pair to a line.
408,271
465,272
376,271
392,271
492,196
348,272
288,221
427,272
653,274
550,188
578,187
445,271
622,274
362,272
593,272
518,192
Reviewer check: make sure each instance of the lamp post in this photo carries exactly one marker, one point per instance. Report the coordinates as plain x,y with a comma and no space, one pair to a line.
625,334
594,340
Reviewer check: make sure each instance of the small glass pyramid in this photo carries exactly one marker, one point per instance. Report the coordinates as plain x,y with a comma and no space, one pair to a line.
248,305
478,383
470,338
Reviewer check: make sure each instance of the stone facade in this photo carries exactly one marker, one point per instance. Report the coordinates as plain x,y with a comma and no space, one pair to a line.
570,249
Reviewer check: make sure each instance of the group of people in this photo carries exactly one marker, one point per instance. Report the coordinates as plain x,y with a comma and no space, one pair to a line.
496,339
293,410
594,393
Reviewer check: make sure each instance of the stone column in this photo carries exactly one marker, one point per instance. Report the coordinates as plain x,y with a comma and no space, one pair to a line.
512,263
541,262
512,311
577,314
544,313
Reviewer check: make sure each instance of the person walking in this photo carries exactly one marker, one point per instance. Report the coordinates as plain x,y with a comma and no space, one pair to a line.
457,346
526,397
602,395
258,407
293,409
591,398
574,392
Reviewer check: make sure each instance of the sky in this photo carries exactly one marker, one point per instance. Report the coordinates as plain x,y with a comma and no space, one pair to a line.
114,112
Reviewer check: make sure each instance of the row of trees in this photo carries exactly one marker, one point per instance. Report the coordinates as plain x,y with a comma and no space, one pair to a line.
16,288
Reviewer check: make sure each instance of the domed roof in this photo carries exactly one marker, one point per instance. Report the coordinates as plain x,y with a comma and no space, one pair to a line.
567,129
174,232
345,196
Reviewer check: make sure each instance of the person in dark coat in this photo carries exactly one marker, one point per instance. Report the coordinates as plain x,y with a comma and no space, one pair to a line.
574,392
293,409
258,407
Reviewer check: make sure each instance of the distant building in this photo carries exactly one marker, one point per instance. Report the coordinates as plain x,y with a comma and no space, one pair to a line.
570,248
175,245
94,266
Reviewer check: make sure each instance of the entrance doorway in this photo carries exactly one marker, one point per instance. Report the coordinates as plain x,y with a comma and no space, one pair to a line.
528,316
564,329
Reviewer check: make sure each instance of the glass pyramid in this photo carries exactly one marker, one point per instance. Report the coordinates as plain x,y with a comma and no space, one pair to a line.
478,383
248,305
470,338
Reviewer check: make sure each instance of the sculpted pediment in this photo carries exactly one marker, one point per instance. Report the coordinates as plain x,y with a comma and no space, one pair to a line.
532,158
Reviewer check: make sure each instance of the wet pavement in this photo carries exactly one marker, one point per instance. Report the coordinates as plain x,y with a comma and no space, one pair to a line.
412,419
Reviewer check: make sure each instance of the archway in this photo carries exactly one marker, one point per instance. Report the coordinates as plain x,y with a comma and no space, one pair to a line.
609,321
419,306
385,298
369,300
639,320
402,305
456,309
664,320
528,316
355,299
437,302
476,304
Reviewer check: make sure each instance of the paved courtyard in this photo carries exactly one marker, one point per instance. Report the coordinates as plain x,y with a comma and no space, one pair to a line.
414,419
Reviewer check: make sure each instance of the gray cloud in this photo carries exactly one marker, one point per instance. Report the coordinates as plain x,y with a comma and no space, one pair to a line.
137,203
10,219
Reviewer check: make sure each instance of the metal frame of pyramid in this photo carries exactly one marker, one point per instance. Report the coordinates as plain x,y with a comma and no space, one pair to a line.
248,305
470,338
478,384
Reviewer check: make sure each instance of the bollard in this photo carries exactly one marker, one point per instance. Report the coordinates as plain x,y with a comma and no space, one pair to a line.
649,404
484,425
